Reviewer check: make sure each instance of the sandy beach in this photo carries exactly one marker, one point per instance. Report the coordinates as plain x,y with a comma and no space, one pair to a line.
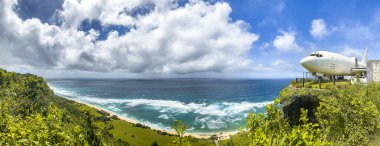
220,135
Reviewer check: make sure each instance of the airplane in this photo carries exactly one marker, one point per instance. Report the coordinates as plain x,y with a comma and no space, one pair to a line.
328,64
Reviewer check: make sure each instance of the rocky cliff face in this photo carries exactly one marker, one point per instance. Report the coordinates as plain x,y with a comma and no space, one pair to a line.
293,99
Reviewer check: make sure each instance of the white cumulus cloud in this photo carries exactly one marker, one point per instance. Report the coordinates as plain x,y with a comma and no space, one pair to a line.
166,38
318,28
282,64
287,42
352,52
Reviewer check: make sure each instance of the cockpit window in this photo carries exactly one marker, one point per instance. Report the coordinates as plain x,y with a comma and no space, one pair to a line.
316,54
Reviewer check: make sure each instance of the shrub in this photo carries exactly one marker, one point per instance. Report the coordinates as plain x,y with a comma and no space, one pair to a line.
349,116
32,115
273,129
180,129
154,143
346,116
308,86
293,82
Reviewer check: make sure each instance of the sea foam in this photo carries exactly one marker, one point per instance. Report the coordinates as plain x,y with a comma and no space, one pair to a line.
171,106
62,91
203,115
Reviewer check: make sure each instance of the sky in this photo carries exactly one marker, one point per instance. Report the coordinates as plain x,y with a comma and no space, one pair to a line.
181,38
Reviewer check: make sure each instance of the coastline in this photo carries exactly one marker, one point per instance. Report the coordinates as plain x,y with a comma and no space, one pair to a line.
219,135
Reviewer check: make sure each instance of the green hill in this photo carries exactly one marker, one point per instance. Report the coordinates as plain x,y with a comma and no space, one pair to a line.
348,115
30,114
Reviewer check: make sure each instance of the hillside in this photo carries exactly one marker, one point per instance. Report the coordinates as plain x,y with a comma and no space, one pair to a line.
348,115
32,115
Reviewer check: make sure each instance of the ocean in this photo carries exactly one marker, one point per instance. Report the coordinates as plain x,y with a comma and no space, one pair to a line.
204,105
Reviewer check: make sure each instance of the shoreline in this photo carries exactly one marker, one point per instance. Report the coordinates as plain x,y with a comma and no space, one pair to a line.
219,135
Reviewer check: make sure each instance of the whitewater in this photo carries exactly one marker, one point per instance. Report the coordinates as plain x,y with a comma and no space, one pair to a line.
205,105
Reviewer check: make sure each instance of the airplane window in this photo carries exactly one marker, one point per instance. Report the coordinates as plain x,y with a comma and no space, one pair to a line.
319,55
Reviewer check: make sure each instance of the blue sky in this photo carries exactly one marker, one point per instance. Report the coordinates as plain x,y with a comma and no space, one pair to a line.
268,18
179,38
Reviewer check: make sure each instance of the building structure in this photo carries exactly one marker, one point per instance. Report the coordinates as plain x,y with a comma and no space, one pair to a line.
373,71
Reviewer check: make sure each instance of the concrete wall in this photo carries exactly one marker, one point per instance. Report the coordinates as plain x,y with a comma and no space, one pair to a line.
373,70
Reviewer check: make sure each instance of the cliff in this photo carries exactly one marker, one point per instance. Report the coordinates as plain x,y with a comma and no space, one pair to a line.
348,115
293,100
30,114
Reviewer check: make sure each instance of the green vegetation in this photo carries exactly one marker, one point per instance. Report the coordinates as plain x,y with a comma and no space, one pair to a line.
180,128
28,117
30,114
239,139
324,85
346,116
274,130
351,116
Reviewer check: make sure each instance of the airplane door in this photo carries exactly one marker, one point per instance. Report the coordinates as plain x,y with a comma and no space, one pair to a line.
333,63
325,64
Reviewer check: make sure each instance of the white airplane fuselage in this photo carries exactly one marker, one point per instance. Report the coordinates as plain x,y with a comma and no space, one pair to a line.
329,63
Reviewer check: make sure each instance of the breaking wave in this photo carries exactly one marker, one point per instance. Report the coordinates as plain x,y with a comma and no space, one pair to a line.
217,115
63,92
170,106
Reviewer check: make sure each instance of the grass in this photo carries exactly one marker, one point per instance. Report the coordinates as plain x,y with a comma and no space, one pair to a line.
238,139
138,136
376,141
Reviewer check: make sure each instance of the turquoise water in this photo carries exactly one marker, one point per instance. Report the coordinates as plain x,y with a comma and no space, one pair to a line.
205,105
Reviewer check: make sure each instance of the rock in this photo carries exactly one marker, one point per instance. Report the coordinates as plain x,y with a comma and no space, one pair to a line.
292,100
114,117
102,112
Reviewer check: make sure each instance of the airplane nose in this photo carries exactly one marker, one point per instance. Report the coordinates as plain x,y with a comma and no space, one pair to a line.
305,62
309,63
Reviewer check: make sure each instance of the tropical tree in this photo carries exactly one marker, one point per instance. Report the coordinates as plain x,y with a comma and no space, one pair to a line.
180,129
